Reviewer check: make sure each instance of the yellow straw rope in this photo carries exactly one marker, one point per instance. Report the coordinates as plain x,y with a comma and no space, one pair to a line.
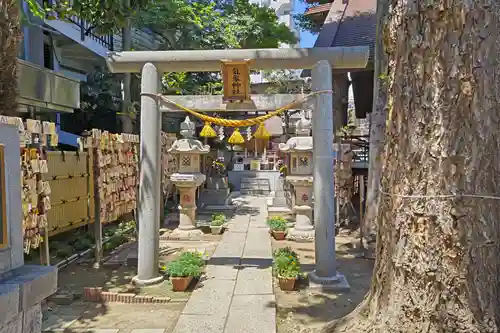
240,123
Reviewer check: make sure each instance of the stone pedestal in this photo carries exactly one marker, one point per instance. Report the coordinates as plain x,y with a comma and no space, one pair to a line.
303,229
187,185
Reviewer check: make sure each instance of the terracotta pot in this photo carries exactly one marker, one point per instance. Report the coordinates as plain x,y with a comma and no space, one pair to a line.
287,284
216,230
180,283
278,235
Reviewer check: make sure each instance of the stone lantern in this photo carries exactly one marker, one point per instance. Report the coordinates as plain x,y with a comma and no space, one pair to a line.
300,150
188,178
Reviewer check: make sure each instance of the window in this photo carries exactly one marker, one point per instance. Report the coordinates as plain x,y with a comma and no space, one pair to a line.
3,204
186,160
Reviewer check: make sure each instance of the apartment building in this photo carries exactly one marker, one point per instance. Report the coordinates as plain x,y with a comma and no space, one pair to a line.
55,57
284,10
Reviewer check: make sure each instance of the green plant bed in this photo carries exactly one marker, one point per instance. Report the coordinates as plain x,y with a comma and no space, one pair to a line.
277,223
184,269
286,266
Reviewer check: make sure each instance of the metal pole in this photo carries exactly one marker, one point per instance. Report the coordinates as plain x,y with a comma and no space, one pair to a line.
149,202
325,274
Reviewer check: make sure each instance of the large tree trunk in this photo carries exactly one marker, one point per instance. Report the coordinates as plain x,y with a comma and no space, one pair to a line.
10,36
437,267
378,119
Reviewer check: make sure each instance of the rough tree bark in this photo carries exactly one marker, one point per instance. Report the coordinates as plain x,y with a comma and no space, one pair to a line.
10,36
377,134
437,267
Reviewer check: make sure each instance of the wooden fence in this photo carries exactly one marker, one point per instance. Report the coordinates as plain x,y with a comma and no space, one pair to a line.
72,190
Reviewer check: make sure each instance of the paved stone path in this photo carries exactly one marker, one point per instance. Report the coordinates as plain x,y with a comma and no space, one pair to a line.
236,295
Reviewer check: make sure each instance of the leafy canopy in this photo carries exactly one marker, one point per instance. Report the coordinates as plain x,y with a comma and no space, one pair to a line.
103,16
208,25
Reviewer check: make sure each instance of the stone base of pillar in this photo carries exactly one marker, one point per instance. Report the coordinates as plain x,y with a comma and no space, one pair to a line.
299,235
303,230
337,282
148,282
183,234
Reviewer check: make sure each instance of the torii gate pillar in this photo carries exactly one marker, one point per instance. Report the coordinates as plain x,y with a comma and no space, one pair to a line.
149,202
325,275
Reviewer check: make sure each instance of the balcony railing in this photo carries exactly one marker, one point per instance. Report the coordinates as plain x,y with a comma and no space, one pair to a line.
86,32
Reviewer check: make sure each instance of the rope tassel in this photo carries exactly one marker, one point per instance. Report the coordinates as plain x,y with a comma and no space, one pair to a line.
208,131
236,138
261,132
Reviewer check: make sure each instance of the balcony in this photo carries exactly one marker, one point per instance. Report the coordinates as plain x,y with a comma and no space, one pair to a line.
46,89
86,32
78,31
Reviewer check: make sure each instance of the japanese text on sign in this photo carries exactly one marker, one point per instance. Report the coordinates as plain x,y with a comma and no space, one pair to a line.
236,80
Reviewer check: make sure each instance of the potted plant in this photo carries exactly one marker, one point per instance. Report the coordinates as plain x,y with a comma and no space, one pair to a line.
184,269
217,223
287,268
278,226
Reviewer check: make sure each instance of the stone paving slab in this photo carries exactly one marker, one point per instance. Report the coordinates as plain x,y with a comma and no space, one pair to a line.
258,244
252,314
238,281
212,297
238,224
231,245
254,281
200,324
148,330
226,272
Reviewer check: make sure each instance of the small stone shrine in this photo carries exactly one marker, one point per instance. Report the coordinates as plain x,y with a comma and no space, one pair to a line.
300,150
188,179
22,287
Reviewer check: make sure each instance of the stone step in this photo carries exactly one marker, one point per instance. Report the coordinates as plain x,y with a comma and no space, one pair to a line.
254,192
255,186
280,202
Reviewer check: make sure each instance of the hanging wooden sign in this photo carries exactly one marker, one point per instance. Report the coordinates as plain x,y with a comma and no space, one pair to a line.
236,80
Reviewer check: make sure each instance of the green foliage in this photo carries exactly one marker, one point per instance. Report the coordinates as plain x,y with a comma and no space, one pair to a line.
218,220
285,251
287,265
285,81
277,223
182,269
104,16
188,264
206,25
194,258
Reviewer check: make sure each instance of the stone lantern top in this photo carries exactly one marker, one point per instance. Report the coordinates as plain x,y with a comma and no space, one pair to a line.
303,127
302,142
188,144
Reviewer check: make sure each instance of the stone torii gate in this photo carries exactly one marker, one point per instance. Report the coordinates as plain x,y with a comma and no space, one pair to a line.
152,65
